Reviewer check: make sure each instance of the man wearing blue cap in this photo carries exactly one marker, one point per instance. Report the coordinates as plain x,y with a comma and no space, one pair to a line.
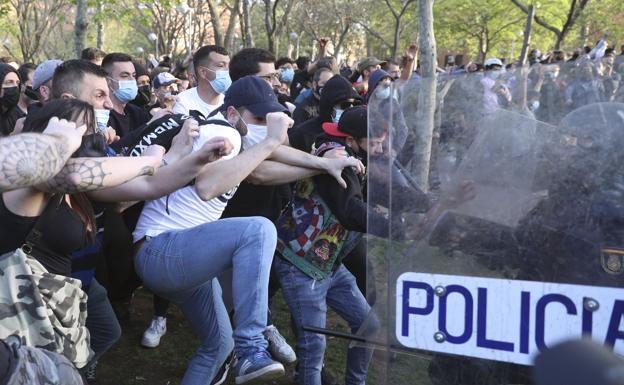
183,246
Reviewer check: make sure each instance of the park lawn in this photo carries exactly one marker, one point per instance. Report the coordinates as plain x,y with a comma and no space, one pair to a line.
130,364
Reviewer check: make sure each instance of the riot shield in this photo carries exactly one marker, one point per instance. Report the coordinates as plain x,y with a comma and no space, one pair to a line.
519,243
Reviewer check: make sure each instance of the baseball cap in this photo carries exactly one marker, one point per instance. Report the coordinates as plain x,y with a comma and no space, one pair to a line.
44,72
353,122
493,61
164,79
253,93
367,62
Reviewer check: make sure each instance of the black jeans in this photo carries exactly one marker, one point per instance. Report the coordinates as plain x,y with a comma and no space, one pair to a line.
101,320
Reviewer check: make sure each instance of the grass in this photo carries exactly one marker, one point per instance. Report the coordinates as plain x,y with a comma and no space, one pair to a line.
130,364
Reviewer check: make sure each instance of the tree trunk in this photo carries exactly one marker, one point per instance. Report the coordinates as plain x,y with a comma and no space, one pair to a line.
80,27
216,23
583,34
528,29
247,23
482,50
426,97
231,29
270,27
100,28
397,32
559,41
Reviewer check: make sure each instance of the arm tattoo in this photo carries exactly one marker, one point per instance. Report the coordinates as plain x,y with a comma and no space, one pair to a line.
28,159
78,175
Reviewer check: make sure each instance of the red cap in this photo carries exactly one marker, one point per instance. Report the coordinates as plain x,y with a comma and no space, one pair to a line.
332,129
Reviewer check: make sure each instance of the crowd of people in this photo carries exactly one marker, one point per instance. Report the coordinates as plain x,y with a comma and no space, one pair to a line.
216,180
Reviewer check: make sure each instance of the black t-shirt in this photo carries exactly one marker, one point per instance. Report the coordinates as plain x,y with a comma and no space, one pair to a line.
134,118
62,232
254,200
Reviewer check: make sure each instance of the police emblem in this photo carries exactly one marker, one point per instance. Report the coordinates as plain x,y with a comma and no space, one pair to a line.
612,260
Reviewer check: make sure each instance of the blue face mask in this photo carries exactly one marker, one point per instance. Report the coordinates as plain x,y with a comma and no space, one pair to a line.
337,115
101,118
288,75
127,90
222,81
383,93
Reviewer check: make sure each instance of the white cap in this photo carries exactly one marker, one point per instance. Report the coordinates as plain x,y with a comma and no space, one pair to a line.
493,62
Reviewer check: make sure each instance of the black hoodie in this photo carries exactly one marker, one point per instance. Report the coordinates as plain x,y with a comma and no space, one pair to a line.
349,204
336,89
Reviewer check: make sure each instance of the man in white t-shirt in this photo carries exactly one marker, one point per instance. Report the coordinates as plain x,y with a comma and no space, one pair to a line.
184,247
211,65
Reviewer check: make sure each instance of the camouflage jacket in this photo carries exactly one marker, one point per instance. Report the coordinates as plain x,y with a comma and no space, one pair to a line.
44,310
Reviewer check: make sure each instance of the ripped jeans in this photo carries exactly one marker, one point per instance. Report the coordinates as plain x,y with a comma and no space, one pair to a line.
307,300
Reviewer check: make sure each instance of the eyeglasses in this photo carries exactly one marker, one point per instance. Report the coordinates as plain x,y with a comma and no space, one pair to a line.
271,76
349,104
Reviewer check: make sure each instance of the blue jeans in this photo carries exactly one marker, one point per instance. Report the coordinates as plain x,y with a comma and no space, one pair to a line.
308,300
181,266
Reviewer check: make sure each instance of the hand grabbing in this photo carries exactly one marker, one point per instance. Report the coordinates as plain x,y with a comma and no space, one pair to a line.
67,131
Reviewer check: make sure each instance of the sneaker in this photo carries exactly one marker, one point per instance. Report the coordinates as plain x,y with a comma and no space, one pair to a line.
257,366
223,371
278,347
153,334
90,374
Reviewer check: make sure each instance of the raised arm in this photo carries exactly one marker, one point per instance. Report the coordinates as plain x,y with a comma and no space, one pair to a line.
28,159
88,174
220,177
409,61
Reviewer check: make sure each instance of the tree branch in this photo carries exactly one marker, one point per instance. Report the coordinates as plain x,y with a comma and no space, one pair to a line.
537,19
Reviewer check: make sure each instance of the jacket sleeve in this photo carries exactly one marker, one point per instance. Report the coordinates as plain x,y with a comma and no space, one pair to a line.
348,204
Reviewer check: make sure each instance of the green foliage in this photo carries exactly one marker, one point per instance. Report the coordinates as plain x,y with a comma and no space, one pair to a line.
474,28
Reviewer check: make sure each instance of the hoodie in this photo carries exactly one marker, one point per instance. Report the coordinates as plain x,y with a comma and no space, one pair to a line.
374,80
336,90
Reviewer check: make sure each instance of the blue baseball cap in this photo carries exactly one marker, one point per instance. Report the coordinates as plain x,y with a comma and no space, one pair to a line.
254,94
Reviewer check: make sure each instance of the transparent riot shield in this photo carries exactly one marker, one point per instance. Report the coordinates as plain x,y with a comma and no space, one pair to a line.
516,244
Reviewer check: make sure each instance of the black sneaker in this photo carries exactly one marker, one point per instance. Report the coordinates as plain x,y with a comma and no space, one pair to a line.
223,370
90,374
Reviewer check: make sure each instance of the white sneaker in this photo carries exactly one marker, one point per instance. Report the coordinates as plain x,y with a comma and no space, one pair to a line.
157,329
278,347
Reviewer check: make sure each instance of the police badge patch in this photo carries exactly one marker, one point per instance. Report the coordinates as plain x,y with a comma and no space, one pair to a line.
612,260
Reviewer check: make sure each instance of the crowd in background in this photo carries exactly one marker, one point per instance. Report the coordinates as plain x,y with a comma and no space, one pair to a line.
249,175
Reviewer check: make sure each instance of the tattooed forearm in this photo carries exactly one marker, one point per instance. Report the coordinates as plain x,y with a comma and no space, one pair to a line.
29,159
89,174
79,174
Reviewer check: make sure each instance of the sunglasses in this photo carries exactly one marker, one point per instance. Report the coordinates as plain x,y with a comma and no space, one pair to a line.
347,104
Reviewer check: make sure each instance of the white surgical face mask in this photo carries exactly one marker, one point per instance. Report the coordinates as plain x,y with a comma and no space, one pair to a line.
383,93
101,117
255,134
337,115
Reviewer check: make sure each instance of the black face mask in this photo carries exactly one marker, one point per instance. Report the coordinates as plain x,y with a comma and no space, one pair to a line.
143,96
10,98
31,94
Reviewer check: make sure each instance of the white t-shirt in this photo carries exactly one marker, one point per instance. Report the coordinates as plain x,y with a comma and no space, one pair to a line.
189,100
185,208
